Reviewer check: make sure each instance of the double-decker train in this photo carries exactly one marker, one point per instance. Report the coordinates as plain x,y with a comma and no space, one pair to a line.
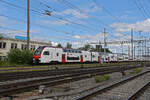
48,54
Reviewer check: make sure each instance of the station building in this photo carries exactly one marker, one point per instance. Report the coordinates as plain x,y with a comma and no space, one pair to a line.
6,44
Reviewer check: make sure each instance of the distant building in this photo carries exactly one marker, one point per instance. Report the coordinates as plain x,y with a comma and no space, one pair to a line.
6,44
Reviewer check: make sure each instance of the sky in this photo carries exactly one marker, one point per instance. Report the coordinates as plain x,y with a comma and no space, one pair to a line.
76,21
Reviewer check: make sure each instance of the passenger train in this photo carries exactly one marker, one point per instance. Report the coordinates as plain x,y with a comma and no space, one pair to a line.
48,54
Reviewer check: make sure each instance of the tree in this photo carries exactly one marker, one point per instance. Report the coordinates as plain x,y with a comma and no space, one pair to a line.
86,47
59,45
69,46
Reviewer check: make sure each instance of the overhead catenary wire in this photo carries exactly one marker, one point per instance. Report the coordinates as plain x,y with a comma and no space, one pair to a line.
107,11
83,12
60,18
146,11
140,9
65,19
36,24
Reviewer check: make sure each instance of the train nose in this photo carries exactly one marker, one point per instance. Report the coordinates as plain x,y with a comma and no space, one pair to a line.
36,57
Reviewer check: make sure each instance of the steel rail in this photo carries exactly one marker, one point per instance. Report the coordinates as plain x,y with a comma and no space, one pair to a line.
88,96
22,87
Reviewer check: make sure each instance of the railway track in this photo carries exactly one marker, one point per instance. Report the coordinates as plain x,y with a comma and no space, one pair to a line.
127,89
24,75
139,92
10,88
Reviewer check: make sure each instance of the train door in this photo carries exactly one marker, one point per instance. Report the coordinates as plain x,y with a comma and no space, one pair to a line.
63,58
99,59
46,57
81,58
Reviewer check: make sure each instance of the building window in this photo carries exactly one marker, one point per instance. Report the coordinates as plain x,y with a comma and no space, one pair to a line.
23,46
32,47
2,45
13,45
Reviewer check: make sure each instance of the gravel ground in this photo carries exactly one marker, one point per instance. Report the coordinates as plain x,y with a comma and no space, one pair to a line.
70,91
122,92
145,95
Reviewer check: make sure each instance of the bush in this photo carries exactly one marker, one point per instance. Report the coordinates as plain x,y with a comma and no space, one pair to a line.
101,78
137,70
27,56
20,57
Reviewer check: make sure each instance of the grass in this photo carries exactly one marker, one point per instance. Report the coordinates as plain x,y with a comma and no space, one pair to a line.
101,78
136,71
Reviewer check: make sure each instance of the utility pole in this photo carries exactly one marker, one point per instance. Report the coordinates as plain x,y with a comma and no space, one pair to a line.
104,40
132,42
129,50
28,24
122,47
134,51
140,48
145,50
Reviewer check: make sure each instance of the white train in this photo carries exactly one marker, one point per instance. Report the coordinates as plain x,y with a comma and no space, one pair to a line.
47,54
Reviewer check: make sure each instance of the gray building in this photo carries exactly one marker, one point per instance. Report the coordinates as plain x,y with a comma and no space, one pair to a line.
6,44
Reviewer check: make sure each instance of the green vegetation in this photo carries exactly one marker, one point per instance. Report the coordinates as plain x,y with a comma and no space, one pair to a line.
101,78
69,46
136,71
16,56
87,47
59,46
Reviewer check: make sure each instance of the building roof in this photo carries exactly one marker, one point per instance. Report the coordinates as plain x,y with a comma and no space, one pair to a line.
18,40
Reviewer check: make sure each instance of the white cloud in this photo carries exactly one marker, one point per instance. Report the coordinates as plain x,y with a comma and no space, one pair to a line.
72,12
61,22
92,7
3,21
140,26
54,43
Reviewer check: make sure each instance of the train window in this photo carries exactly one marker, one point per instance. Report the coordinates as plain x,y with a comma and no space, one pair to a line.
69,50
39,50
57,54
64,50
46,53
85,55
93,56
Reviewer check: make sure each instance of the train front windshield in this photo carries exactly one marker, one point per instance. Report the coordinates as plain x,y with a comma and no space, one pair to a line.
38,50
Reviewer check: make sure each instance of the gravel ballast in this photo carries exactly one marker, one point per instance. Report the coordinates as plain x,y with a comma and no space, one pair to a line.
71,91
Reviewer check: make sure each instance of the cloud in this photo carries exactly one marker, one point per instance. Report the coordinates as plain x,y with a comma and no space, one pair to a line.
92,7
3,21
88,8
72,12
139,25
61,22
54,43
